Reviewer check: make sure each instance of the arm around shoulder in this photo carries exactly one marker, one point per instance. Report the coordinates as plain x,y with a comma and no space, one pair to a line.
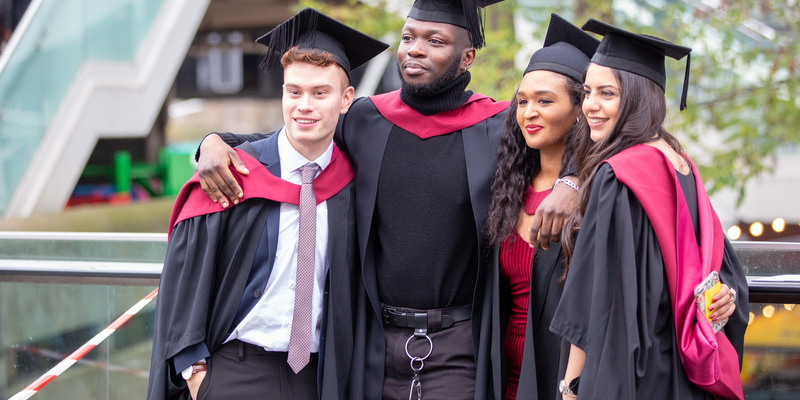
214,156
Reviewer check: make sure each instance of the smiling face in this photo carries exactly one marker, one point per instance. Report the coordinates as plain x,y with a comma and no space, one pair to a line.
313,98
428,50
544,110
601,100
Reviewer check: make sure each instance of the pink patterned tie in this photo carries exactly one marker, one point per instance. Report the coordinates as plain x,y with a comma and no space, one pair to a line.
300,341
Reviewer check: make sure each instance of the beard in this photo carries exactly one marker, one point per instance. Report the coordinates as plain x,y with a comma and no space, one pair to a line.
431,88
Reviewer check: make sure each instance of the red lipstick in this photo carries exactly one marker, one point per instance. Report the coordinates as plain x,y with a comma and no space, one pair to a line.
533,128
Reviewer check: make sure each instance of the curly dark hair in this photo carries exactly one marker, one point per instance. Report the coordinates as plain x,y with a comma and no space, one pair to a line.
640,119
518,164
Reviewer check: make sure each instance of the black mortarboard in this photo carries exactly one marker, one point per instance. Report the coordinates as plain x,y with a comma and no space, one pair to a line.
567,50
463,13
311,29
639,54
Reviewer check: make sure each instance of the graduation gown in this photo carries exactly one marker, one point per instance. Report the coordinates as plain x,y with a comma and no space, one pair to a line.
538,377
209,262
616,303
363,134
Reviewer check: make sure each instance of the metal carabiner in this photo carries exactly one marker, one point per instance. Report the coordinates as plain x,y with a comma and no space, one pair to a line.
415,384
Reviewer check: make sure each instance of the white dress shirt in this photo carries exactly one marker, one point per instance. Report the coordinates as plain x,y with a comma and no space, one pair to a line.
269,323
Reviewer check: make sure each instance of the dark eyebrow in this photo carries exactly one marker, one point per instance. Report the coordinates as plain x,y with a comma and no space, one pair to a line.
293,85
537,93
602,87
425,32
433,31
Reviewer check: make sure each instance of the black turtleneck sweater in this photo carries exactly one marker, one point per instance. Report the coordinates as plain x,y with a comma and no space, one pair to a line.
449,98
426,246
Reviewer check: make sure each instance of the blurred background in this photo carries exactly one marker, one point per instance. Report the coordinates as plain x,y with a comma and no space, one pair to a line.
104,102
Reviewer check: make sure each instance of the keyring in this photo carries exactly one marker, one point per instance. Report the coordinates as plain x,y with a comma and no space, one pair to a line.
421,364
419,358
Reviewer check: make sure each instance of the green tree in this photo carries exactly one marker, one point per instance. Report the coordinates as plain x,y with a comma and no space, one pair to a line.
493,72
373,19
744,103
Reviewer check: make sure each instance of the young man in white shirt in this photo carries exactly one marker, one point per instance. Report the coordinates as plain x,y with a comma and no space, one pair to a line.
250,295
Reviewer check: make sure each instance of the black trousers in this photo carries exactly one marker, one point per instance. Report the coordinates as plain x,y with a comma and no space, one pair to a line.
242,371
448,373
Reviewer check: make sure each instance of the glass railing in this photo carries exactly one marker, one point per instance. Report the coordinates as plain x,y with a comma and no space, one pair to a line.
43,323
58,290
52,42
771,366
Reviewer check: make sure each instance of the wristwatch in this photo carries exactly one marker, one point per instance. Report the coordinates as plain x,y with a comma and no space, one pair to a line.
190,370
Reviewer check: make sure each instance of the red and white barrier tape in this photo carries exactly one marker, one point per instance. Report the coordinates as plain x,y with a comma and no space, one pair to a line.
78,354
54,355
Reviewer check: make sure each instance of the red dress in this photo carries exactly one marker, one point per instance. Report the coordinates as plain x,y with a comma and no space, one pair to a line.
515,267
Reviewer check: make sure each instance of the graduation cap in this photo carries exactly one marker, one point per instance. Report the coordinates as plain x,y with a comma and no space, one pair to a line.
567,50
463,13
312,30
639,54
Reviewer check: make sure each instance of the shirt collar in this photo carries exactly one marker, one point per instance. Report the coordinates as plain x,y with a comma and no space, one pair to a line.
291,159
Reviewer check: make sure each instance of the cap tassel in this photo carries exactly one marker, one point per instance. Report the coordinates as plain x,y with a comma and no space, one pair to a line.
284,37
475,17
686,81
281,38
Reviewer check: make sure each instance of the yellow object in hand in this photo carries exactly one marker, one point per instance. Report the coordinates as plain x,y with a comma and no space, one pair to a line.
709,297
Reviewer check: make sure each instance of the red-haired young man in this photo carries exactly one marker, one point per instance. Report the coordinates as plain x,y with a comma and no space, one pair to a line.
256,300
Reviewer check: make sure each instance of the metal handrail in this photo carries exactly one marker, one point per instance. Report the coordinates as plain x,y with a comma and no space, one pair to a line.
773,292
59,262
85,236
128,259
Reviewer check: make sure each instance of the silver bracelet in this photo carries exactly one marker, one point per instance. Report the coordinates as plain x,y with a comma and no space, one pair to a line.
564,389
567,182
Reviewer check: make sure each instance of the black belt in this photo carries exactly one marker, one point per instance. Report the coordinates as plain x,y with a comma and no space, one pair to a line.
421,321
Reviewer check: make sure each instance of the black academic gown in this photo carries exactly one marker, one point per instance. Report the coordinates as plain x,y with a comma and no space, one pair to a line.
362,134
616,303
540,357
206,270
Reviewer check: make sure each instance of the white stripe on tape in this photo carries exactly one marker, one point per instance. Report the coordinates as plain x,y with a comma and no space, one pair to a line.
23,395
101,336
138,306
61,367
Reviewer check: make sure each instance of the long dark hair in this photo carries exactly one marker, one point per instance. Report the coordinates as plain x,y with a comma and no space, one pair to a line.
640,119
517,164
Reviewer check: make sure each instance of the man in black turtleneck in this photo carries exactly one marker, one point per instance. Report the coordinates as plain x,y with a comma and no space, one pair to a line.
424,235
425,157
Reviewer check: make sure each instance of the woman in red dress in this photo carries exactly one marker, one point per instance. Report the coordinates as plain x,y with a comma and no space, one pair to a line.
534,152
